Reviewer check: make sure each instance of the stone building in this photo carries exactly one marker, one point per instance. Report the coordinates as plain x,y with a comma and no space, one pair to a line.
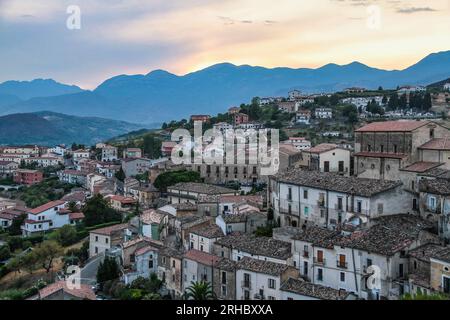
224,281
383,148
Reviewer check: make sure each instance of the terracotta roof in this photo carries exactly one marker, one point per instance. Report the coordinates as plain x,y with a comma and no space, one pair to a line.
380,155
210,232
422,166
123,199
305,288
334,182
437,144
201,188
324,147
288,149
435,186
76,215
108,230
393,126
84,292
152,216
145,249
46,206
260,266
240,199
202,257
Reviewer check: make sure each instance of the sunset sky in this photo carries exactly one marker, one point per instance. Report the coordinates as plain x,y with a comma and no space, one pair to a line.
181,36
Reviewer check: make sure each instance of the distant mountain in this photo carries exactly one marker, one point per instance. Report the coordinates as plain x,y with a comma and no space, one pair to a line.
37,88
49,128
161,96
439,84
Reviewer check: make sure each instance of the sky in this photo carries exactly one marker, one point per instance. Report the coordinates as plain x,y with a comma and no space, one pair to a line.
49,39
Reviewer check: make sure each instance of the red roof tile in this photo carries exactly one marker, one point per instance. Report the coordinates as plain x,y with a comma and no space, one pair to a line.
324,147
422,166
393,126
202,257
108,230
437,144
380,155
46,206
83,292
76,215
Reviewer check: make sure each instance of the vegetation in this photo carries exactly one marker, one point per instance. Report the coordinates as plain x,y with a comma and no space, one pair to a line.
66,235
266,231
48,190
120,175
97,211
424,296
107,270
199,291
46,253
167,179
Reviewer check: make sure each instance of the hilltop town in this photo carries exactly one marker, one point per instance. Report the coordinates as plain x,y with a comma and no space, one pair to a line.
358,209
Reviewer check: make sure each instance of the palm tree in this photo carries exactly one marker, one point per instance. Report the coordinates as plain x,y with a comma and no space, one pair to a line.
200,291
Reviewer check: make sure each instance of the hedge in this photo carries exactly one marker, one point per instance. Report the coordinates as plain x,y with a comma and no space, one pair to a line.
103,225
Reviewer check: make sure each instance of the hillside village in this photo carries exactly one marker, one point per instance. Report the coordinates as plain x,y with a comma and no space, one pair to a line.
359,208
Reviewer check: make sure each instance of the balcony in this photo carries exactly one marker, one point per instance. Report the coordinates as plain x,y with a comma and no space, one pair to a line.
259,297
342,264
246,285
319,262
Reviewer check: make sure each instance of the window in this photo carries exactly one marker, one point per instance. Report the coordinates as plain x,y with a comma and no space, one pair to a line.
290,194
201,247
96,238
369,147
369,262
431,133
106,240
305,268
340,203
306,211
342,277
305,194
224,277
382,148
224,291
380,208
150,263
173,263
96,250
271,283
359,206
246,280
320,274
395,148
320,256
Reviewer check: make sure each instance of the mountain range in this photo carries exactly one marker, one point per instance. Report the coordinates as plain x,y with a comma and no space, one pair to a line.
50,128
161,96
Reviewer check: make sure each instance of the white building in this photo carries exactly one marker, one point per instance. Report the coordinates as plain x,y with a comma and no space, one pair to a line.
45,161
261,280
299,142
326,199
81,154
324,113
294,94
109,153
197,267
328,157
52,215
447,86
410,89
222,126
105,239
60,150
303,117
204,238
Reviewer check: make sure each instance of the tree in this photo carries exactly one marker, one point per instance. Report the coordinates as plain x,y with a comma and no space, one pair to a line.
29,262
427,103
97,211
15,228
384,100
108,270
334,99
167,179
403,102
393,102
423,296
200,291
380,88
72,206
152,146
66,235
120,175
46,253
5,253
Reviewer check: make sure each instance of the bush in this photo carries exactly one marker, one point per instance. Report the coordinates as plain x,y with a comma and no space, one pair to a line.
12,294
5,253
66,235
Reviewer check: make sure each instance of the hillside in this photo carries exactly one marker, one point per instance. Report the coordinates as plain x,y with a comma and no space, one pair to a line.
49,128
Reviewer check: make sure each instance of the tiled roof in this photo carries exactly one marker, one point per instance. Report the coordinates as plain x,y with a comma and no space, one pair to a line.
201,188
152,216
240,217
240,199
145,249
210,232
437,144
425,252
334,182
289,149
308,289
226,264
202,257
393,126
76,215
368,154
75,196
435,186
260,266
84,292
264,246
46,206
123,199
443,255
323,147
422,166
109,230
